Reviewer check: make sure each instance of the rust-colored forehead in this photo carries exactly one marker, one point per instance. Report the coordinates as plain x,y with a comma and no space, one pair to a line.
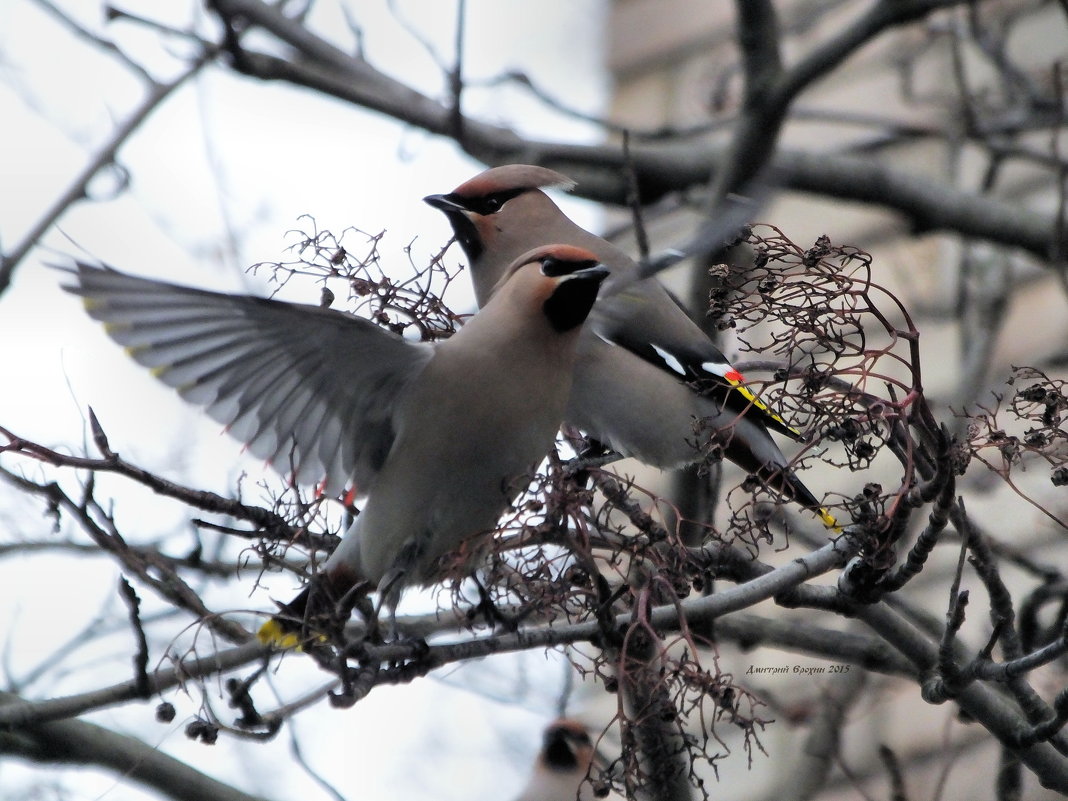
544,285
561,252
512,176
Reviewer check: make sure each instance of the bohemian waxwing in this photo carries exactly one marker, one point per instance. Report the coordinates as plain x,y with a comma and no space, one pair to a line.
645,370
439,437
561,765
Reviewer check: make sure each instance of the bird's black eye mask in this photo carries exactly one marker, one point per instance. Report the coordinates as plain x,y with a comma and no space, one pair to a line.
455,206
571,301
488,204
553,267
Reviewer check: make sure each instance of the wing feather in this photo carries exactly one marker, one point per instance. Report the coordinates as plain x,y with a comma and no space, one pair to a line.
310,390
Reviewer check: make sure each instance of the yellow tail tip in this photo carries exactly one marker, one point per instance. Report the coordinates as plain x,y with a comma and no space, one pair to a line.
828,520
275,634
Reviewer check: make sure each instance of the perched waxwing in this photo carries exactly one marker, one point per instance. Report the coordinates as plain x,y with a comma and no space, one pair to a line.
645,370
562,765
440,438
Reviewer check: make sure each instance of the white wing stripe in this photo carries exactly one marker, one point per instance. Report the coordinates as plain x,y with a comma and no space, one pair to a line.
716,368
673,364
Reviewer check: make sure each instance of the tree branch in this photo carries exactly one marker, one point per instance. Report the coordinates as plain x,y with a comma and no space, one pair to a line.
18,713
992,709
105,157
661,167
79,743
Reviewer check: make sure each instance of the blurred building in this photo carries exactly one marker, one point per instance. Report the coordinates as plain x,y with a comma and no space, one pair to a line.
954,99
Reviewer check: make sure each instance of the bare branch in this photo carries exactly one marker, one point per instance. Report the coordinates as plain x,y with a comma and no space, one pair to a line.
113,463
105,157
990,708
76,742
133,604
661,168
19,713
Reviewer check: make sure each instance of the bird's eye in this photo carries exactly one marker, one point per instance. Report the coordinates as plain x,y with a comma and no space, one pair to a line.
552,267
491,204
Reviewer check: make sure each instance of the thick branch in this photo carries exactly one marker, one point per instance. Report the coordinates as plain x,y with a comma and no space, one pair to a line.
830,54
661,167
80,743
756,131
786,634
822,746
993,710
19,713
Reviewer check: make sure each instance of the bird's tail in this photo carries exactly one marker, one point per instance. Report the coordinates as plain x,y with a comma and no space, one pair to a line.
319,611
283,629
787,482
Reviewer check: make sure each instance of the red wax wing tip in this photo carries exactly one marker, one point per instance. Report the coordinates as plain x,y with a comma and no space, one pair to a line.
349,496
734,375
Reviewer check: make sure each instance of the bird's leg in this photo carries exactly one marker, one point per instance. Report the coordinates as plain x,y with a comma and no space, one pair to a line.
354,598
393,582
388,595
492,615
592,451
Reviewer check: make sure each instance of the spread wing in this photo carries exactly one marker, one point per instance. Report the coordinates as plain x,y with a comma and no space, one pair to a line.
310,390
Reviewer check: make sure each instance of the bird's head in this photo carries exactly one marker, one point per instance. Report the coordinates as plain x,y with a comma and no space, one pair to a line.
501,213
561,280
566,746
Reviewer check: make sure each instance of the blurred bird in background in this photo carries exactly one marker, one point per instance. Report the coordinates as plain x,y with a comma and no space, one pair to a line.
562,765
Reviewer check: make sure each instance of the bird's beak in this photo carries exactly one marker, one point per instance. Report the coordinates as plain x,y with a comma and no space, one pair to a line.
444,203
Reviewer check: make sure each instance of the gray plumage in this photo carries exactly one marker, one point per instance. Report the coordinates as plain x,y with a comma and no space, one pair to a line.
440,438
645,370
